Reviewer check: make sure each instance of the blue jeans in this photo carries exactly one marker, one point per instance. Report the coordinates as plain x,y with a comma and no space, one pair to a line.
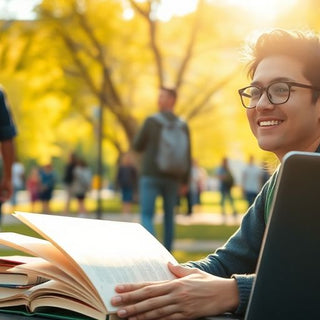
150,188
226,194
14,197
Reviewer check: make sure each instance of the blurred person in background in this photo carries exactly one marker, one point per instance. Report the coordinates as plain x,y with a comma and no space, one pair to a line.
81,184
127,181
68,179
226,182
47,184
251,181
7,133
33,186
154,181
18,181
196,186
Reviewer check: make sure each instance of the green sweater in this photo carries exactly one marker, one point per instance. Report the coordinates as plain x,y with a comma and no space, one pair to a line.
239,256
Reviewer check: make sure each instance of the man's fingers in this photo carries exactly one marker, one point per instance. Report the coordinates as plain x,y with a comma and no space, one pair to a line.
130,287
180,271
132,293
127,287
154,308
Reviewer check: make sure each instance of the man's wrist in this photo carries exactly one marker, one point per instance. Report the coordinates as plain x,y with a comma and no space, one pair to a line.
233,300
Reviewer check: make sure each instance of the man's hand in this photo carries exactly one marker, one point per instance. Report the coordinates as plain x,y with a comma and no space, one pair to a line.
192,295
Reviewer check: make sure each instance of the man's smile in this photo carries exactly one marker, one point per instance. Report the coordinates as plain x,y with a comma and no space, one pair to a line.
269,123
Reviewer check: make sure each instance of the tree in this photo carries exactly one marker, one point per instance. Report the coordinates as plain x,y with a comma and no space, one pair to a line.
97,67
84,54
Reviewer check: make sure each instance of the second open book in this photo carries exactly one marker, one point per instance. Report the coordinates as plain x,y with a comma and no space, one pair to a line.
83,260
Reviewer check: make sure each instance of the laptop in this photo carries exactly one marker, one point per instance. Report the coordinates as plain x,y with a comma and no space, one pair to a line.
287,284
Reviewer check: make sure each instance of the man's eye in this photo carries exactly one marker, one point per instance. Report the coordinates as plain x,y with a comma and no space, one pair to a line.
255,93
280,89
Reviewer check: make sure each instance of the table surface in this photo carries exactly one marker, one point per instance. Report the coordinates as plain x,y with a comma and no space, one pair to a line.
6,316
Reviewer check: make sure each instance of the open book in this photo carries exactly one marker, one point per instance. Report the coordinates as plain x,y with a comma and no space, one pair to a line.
82,260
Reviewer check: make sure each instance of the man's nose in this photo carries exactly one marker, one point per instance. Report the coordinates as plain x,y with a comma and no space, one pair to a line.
264,102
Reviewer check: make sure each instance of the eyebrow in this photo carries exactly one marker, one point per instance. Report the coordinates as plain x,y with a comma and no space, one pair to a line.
273,80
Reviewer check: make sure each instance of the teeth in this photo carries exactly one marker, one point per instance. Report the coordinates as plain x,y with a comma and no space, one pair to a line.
269,123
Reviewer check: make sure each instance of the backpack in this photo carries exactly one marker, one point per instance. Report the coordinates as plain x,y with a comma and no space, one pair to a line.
173,149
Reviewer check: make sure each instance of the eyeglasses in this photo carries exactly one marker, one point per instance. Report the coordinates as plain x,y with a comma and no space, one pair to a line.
277,93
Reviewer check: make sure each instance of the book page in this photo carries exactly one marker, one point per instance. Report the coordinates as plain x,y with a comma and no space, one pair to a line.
47,270
46,250
109,252
53,287
51,293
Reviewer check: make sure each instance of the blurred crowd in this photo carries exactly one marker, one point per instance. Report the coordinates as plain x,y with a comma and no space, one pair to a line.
41,181
77,180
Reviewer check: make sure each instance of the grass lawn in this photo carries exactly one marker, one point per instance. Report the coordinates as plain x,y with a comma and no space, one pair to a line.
209,203
198,232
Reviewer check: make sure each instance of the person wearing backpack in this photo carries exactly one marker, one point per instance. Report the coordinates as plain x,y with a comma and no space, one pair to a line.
164,140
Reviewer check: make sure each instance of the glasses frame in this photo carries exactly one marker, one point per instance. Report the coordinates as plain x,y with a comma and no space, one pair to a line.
266,89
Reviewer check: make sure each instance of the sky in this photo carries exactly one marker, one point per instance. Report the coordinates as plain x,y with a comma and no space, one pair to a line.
17,9
22,9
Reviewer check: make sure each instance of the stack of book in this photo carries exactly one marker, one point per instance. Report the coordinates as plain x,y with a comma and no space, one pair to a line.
73,267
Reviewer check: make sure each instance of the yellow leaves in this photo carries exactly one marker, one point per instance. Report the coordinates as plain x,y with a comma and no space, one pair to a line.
84,53
39,120
74,130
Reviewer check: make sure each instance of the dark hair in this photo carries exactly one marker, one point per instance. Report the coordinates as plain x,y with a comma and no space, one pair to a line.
171,91
304,46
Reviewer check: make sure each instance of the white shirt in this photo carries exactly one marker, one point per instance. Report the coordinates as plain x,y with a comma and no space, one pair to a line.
17,171
251,178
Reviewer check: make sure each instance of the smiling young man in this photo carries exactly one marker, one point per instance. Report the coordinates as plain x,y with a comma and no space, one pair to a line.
283,111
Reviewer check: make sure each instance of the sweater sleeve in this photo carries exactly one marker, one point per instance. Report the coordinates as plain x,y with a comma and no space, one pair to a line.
244,283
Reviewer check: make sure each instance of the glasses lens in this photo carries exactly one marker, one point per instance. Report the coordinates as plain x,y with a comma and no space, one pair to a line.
278,92
250,96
